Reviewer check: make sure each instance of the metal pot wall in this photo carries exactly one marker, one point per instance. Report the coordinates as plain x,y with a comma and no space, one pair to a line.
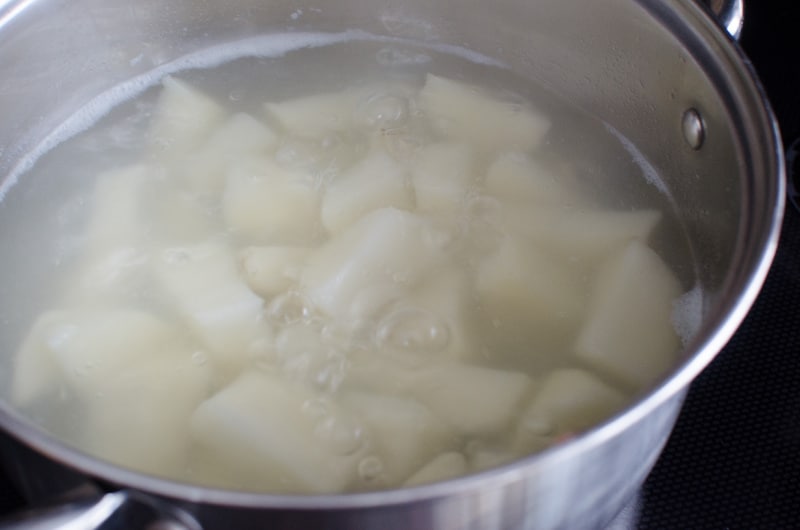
662,72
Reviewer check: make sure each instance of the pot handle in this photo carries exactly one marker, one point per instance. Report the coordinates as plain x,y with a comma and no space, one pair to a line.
729,14
118,510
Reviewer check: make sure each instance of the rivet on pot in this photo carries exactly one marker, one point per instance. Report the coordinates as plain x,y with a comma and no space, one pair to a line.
694,131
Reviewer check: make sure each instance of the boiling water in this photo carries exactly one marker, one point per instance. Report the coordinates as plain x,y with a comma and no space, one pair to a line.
436,368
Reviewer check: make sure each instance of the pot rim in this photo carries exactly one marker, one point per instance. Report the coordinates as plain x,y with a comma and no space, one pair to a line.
757,241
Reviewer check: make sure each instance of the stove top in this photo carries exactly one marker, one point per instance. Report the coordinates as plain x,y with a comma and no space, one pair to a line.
733,460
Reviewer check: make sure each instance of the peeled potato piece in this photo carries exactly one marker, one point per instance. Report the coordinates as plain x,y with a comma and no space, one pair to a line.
316,115
266,203
140,417
202,283
628,332
403,434
475,401
375,182
448,297
443,467
269,271
183,118
524,291
568,401
267,434
442,176
464,112
111,276
35,370
117,213
89,348
582,234
240,135
517,177
371,263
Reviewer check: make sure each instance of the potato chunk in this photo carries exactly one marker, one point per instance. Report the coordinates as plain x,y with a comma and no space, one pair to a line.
140,417
568,401
239,136
375,182
464,112
525,292
586,235
183,118
449,297
35,370
518,178
371,263
443,467
87,348
475,401
263,433
442,177
403,434
272,270
316,115
118,208
628,332
203,284
266,203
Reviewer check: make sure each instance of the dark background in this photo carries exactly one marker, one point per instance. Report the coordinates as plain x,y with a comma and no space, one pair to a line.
733,460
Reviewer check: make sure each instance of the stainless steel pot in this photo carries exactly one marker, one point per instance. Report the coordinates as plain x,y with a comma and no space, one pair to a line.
661,72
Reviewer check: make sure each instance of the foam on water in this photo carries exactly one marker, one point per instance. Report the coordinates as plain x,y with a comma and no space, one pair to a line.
687,314
274,45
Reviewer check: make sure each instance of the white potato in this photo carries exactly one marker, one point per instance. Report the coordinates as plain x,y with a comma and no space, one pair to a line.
240,135
448,295
175,215
110,277
517,177
90,348
582,234
464,112
117,212
266,203
442,176
403,434
183,118
202,283
140,418
36,373
272,270
264,433
371,263
317,114
567,402
524,291
475,401
443,467
375,182
628,332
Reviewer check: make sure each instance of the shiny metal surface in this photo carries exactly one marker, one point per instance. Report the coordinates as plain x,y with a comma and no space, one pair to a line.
637,65
730,14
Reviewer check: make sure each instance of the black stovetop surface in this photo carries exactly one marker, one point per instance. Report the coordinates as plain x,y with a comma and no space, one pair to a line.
733,460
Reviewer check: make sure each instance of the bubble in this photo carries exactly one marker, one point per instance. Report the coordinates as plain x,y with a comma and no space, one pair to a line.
289,308
413,329
370,469
343,435
199,358
383,111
